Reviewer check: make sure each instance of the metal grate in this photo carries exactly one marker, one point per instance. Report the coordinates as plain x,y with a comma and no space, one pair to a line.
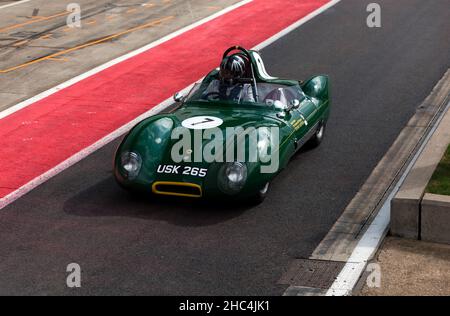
312,273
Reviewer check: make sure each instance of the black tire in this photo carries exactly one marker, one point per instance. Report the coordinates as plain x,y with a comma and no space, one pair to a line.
261,195
317,138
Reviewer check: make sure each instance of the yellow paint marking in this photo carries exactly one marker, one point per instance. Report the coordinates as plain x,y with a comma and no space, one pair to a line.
298,126
131,11
91,22
20,43
67,29
150,24
45,36
148,5
110,17
39,19
295,123
58,59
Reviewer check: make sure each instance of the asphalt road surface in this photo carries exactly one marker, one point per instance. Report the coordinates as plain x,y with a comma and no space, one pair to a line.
129,245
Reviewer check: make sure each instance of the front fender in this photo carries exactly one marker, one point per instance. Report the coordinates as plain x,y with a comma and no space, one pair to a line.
149,139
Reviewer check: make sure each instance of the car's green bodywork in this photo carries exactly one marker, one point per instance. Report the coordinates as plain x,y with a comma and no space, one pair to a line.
296,126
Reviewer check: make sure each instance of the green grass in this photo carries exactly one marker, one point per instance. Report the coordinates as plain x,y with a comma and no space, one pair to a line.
440,181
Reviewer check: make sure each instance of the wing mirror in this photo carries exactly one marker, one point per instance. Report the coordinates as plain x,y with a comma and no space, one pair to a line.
178,97
295,103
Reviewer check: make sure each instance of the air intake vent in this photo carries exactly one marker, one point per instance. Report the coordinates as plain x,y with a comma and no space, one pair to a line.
177,189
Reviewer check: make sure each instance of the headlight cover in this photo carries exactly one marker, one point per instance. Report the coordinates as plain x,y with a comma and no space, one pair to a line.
131,164
232,177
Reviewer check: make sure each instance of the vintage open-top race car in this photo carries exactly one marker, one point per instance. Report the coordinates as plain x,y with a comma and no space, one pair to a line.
229,136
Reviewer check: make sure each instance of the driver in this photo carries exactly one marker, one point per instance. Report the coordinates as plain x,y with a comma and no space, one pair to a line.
228,87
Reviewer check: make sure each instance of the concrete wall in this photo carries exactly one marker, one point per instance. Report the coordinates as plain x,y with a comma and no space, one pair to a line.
435,219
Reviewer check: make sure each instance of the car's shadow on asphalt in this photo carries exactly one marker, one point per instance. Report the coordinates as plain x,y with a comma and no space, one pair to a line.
106,198
305,149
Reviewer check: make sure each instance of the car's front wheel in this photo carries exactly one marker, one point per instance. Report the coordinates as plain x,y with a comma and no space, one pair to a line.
259,197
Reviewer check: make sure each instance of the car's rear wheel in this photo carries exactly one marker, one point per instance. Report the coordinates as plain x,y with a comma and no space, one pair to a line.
317,138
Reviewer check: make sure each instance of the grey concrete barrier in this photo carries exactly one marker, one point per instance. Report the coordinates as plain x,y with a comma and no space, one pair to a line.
405,217
435,218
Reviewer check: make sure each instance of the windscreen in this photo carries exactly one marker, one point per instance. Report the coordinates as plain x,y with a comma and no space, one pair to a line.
261,94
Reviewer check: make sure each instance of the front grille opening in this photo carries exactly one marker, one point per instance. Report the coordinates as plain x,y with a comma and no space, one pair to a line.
178,189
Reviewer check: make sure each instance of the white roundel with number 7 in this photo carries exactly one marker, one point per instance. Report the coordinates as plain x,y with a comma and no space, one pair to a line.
202,122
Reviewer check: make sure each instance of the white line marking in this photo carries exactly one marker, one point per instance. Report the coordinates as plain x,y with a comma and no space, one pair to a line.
297,24
13,4
113,62
122,130
371,240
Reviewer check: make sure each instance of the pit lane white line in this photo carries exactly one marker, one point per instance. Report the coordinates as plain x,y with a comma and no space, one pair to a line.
296,25
122,130
13,4
372,238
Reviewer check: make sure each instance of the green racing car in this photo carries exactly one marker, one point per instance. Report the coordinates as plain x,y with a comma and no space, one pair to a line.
228,137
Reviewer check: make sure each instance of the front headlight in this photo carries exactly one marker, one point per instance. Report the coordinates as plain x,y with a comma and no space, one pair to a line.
131,164
232,177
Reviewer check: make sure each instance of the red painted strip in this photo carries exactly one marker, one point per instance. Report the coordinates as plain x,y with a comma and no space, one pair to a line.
42,135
